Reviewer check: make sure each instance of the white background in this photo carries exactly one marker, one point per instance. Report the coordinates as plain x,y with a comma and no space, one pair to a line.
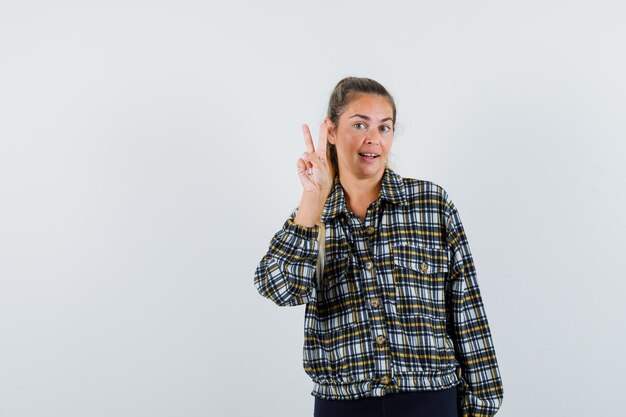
148,153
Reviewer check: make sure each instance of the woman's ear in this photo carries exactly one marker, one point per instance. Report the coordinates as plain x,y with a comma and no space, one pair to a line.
331,131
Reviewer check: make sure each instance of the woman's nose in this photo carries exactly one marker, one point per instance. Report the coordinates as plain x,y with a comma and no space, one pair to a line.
372,137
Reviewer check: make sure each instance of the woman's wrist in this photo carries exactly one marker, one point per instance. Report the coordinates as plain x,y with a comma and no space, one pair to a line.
310,209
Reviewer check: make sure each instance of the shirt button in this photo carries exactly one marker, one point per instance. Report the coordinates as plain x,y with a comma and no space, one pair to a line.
385,380
375,302
370,230
424,266
369,264
380,339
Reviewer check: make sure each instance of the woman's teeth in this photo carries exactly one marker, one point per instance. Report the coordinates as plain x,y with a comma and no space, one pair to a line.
371,155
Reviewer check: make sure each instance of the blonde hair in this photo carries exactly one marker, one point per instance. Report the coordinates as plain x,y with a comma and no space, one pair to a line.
319,266
342,94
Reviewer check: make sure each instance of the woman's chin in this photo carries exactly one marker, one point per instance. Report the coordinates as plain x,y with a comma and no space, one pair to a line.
372,170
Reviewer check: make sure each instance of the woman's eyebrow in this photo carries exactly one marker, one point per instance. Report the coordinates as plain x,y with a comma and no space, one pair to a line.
362,116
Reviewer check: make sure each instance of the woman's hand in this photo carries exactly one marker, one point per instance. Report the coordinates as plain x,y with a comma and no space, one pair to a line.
313,168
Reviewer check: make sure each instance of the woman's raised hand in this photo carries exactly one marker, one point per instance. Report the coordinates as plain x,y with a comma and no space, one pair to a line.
313,168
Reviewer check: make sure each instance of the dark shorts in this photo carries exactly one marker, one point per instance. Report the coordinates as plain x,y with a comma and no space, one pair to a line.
441,403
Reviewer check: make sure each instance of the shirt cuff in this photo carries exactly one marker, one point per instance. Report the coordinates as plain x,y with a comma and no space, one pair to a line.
303,232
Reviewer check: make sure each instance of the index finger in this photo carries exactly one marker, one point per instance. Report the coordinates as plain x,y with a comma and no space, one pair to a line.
321,143
308,140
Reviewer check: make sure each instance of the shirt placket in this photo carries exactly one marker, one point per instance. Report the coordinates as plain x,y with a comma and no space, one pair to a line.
363,237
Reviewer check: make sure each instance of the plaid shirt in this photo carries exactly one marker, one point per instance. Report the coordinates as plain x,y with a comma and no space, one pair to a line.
398,308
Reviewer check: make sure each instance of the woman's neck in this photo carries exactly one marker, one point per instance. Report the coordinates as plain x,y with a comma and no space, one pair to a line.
360,192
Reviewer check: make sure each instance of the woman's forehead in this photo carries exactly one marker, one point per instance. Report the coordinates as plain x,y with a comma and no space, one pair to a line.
371,105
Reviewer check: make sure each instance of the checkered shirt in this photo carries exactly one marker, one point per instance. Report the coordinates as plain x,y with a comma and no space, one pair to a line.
398,308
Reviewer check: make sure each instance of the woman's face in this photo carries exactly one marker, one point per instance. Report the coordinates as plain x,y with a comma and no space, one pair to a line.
364,136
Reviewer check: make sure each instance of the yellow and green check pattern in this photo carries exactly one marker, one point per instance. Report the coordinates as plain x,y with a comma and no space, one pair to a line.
398,308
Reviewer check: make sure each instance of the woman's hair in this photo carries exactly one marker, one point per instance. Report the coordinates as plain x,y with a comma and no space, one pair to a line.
342,95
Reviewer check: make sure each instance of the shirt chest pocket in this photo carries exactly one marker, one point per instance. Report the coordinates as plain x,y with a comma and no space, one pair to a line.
419,274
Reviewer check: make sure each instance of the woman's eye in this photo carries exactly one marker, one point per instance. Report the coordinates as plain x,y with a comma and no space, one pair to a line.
385,128
359,126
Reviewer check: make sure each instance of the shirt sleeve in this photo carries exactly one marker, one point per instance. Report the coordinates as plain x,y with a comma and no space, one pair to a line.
286,274
481,386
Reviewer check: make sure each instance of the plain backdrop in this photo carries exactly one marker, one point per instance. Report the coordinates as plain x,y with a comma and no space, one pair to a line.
148,155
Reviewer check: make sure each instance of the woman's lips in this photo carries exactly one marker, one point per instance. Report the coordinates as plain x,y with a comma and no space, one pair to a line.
369,157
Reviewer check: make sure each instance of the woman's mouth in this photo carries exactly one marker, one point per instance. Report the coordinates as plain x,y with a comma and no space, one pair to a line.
369,157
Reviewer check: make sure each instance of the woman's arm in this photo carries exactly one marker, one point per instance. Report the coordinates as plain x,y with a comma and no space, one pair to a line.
287,271
286,274
467,324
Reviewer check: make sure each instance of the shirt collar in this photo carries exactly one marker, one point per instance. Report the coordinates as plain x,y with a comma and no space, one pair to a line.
391,190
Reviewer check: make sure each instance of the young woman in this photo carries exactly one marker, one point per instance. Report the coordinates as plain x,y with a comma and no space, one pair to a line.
394,321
